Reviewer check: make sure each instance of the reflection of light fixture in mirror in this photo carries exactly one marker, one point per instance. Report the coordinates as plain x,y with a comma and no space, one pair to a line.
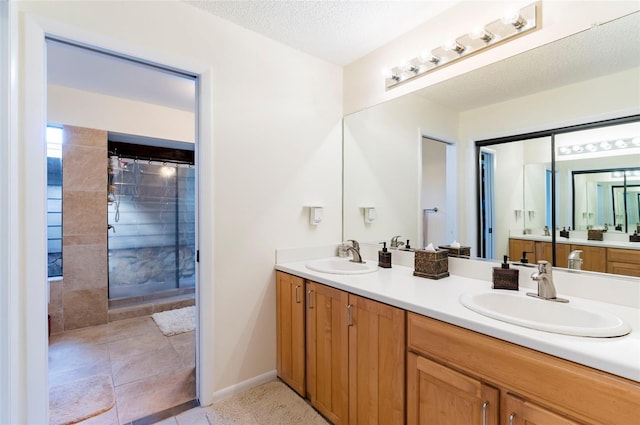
369,214
512,24
604,146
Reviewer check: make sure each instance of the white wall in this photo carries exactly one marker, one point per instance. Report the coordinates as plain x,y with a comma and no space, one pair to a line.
382,147
602,98
275,144
80,108
364,86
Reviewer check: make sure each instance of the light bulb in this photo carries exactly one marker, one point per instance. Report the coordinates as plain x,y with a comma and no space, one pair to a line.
620,143
605,145
479,33
577,148
591,147
564,150
513,17
453,46
635,141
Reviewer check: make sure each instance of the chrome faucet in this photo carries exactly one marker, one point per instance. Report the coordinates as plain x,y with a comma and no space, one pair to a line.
395,243
355,250
111,227
575,262
546,288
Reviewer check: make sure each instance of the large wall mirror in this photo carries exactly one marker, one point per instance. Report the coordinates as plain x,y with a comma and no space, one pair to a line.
386,159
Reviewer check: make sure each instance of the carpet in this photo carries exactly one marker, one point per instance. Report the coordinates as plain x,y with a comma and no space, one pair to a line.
75,401
173,322
270,404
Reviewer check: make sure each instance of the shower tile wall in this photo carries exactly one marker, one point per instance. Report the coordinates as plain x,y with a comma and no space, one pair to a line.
84,232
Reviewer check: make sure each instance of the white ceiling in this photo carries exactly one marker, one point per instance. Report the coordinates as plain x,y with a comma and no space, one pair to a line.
338,31
344,31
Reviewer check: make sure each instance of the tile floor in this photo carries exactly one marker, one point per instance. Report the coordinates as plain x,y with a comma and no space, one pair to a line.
150,372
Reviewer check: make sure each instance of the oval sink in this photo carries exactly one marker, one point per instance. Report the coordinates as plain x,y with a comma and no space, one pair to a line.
341,266
544,315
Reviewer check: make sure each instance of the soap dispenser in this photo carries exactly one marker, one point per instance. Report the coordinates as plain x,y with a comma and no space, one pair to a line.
384,257
504,277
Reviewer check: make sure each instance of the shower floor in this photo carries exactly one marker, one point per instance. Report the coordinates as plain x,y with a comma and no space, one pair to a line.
150,372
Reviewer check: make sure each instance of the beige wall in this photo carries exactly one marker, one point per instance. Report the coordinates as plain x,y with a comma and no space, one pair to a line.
275,115
94,110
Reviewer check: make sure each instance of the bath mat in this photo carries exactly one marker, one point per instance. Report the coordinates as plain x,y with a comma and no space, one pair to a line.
75,401
173,322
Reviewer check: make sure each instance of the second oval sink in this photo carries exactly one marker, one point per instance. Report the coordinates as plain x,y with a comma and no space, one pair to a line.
340,265
546,316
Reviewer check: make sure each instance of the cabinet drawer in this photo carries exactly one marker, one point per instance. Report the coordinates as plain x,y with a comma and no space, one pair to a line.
623,255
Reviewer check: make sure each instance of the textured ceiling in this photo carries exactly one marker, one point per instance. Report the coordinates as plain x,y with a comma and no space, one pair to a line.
337,31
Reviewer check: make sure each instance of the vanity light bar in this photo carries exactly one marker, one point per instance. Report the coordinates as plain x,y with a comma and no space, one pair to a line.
514,23
604,146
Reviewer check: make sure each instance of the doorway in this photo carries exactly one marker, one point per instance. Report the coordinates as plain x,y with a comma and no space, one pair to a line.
438,196
129,96
487,214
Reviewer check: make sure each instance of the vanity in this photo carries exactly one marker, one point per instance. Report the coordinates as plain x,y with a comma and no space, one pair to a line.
390,348
614,257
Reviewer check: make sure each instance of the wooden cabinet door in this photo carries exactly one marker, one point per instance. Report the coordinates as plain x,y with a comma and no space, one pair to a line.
290,331
327,351
518,246
544,251
623,261
521,412
377,347
594,258
438,395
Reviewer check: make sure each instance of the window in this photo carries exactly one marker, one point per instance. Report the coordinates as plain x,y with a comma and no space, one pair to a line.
54,201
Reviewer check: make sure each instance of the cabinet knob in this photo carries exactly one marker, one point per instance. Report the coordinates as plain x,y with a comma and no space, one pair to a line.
349,322
511,418
309,299
297,295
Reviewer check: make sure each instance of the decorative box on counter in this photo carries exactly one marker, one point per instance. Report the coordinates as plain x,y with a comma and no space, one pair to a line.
595,235
431,264
462,251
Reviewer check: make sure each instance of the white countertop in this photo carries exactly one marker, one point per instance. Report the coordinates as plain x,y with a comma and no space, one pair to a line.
438,299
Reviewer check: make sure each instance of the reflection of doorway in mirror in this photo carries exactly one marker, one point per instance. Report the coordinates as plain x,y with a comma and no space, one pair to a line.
487,214
437,216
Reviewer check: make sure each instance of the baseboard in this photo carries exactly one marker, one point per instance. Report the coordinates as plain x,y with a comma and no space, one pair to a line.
244,385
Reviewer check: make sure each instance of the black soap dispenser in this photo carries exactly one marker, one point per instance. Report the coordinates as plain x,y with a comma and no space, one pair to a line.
384,257
504,277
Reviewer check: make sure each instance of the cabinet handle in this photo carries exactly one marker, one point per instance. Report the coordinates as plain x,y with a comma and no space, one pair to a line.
297,295
485,405
349,323
309,299
511,418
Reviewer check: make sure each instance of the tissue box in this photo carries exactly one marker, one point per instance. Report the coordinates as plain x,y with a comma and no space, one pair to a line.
462,251
594,235
432,265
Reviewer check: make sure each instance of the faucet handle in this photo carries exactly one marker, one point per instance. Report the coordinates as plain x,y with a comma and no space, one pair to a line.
544,266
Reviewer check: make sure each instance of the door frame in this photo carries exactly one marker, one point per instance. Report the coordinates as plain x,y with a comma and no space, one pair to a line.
28,351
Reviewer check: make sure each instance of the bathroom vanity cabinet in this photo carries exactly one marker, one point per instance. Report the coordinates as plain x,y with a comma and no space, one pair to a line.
459,376
355,354
370,362
594,258
290,305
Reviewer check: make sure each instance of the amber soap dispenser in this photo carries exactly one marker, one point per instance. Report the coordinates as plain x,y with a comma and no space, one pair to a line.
504,277
384,257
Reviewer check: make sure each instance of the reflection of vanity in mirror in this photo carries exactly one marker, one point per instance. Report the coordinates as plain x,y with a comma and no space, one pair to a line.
385,159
